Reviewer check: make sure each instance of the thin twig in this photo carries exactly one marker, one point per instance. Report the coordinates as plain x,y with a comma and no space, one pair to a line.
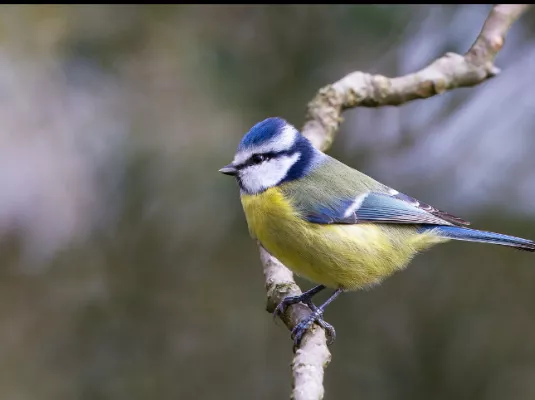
324,117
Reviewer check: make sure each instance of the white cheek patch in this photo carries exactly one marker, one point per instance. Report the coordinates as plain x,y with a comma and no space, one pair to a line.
282,142
257,178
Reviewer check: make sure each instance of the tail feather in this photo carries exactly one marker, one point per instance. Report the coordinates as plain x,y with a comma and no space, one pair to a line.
473,235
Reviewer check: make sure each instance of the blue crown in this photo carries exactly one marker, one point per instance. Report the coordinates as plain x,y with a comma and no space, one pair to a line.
263,132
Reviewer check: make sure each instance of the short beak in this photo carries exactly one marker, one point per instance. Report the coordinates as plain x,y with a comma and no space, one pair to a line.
229,170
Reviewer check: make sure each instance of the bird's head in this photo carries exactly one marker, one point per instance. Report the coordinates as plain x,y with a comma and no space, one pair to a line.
272,152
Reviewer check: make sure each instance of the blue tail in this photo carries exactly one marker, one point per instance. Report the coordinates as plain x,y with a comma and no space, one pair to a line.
472,235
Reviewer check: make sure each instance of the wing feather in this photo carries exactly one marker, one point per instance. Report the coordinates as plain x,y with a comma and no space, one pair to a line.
334,193
381,208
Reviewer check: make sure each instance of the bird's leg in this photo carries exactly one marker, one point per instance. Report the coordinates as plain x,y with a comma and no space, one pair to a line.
316,316
304,298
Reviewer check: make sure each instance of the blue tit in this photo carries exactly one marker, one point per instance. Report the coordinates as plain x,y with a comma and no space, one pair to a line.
330,223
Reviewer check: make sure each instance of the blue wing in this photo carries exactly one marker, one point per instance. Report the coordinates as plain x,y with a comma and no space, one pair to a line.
394,207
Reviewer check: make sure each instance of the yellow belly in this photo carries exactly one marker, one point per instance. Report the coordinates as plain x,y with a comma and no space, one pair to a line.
338,256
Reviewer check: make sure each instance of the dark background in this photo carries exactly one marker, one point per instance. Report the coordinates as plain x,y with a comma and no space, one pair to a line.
126,268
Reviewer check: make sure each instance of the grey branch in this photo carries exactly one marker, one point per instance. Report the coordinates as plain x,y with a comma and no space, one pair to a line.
448,72
322,122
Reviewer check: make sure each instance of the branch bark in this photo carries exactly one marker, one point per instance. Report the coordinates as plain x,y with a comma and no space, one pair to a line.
360,89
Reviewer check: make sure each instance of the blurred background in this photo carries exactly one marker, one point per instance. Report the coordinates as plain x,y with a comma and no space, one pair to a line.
126,269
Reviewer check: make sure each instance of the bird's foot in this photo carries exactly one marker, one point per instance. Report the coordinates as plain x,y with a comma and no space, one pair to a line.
316,316
305,298
288,301
303,325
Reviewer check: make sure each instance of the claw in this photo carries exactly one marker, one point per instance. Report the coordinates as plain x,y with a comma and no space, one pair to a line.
304,297
316,316
330,332
287,301
302,327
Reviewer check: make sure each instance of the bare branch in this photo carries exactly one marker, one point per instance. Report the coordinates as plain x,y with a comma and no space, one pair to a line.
450,71
322,122
312,356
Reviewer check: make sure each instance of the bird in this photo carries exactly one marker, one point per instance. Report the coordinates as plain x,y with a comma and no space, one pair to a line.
330,223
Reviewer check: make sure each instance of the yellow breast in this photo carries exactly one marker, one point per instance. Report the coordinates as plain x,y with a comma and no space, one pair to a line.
338,256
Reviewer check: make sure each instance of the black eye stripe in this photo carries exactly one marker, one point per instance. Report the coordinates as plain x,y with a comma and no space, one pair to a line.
254,160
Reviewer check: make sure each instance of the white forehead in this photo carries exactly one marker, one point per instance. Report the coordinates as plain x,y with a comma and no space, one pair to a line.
281,142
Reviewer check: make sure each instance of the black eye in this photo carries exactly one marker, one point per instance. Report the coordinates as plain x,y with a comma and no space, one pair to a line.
258,158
